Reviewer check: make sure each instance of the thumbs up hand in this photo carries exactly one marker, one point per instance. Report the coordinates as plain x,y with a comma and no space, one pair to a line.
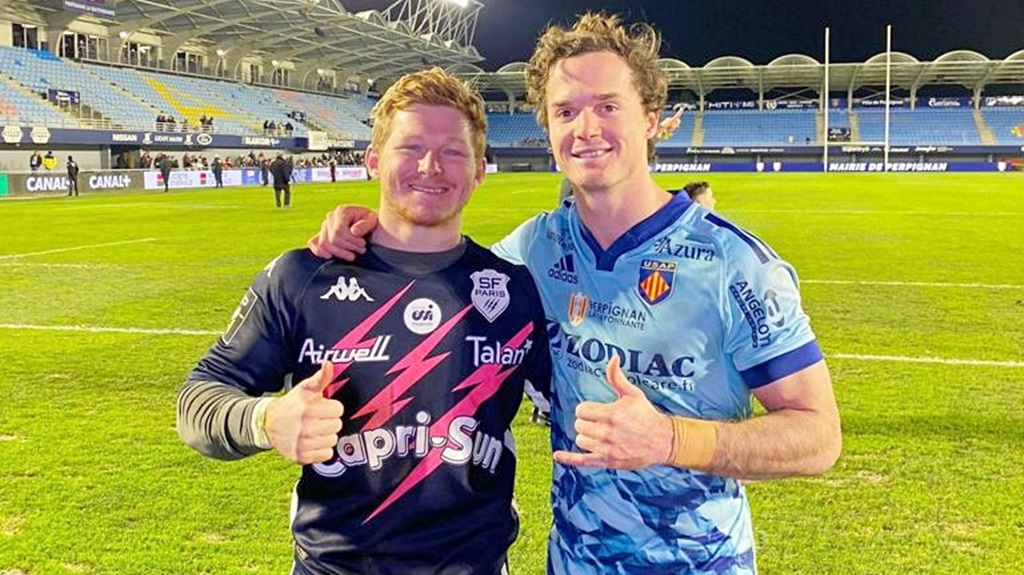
628,433
303,425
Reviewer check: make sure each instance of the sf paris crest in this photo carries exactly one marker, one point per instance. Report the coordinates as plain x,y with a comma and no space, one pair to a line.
490,293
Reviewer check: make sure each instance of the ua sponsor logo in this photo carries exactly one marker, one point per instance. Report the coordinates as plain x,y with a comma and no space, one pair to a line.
564,270
490,293
346,289
422,316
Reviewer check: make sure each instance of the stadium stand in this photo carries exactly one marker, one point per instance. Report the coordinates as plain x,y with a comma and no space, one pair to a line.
1006,124
314,69
742,128
946,126
518,129
20,106
345,116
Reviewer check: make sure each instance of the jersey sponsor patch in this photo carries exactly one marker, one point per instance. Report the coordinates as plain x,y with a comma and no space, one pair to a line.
422,316
578,304
655,280
241,313
760,314
490,293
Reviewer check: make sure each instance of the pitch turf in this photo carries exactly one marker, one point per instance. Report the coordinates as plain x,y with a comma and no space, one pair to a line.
914,283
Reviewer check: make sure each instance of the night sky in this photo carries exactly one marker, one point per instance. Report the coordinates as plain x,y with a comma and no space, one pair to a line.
760,31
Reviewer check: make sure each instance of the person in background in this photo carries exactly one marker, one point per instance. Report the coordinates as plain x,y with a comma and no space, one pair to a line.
281,173
218,172
165,170
701,193
72,176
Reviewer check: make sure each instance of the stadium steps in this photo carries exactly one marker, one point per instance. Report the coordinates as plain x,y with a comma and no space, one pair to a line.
984,132
698,130
191,107
95,119
13,83
121,90
819,123
854,126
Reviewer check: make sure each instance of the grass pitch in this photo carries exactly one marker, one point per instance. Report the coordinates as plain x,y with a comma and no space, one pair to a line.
914,283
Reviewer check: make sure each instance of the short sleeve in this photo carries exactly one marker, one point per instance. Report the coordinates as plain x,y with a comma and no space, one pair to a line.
768,334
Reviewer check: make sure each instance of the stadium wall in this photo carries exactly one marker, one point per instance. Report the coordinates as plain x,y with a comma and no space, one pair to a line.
87,157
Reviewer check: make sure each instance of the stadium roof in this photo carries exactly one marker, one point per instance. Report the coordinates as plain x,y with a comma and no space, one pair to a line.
796,72
314,34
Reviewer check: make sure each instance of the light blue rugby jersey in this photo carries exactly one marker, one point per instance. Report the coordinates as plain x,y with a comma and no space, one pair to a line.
699,312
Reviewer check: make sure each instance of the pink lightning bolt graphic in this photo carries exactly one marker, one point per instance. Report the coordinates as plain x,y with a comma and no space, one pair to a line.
483,384
352,338
413,366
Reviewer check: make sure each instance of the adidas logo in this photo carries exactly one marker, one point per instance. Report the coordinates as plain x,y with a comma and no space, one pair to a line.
564,270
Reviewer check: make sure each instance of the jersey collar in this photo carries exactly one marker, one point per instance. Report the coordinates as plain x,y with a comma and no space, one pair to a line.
638,234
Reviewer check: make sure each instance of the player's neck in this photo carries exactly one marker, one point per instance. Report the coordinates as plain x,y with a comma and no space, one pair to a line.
407,237
609,214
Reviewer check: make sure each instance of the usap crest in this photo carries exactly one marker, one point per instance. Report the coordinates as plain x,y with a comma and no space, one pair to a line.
490,293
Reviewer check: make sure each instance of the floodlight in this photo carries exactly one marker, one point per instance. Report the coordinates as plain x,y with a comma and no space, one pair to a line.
459,3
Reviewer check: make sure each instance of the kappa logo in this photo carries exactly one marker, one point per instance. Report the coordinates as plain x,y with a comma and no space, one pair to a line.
346,289
564,270
490,293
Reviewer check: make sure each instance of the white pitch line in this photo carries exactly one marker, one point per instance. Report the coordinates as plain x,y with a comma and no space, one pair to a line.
86,247
879,212
914,284
42,265
201,332
100,329
939,360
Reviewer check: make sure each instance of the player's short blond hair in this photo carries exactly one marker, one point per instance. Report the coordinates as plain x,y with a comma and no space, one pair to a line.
435,87
596,32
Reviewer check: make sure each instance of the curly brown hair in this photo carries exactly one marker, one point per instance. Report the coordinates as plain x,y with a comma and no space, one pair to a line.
435,87
596,32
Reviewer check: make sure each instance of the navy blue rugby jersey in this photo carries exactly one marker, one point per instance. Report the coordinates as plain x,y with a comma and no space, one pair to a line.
430,369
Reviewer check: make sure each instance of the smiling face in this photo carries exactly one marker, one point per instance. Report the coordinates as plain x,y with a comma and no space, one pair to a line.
597,123
427,169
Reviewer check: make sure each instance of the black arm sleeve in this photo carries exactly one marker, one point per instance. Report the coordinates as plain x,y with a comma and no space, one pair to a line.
215,419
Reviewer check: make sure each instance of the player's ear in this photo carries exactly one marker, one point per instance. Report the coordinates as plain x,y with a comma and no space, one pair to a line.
651,121
371,159
481,169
